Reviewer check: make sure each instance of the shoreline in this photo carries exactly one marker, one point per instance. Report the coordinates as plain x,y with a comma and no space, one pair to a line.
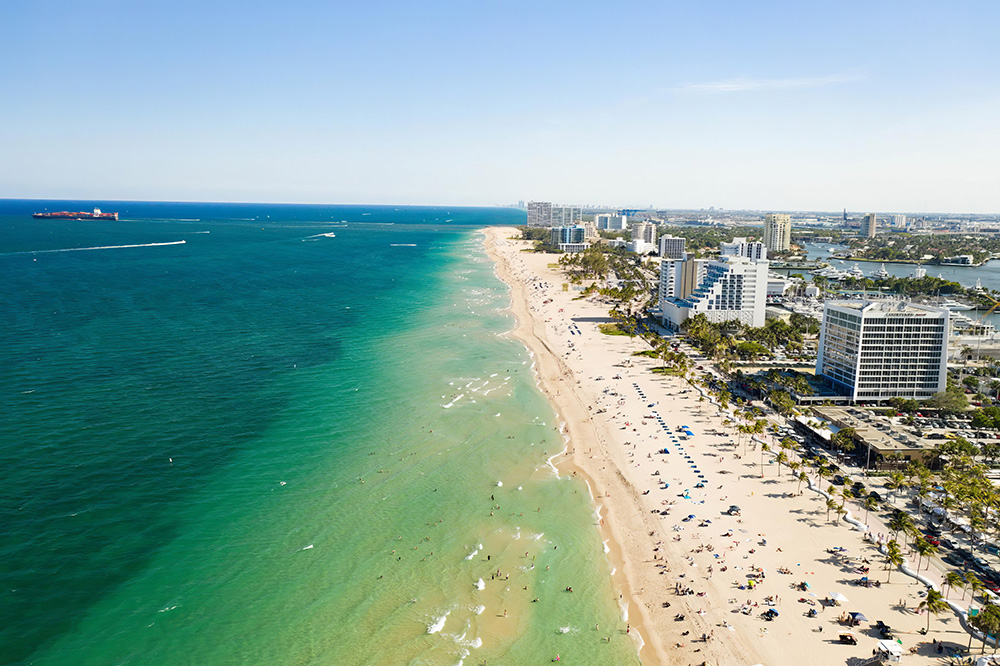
550,370
692,577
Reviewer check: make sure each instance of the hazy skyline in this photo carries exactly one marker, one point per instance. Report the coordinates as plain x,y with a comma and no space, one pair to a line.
776,106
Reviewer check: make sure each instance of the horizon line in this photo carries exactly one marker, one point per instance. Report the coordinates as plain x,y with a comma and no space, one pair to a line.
762,211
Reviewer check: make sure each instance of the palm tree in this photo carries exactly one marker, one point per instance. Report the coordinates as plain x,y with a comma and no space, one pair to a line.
842,494
893,557
763,448
802,477
899,521
954,579
896,482
831,504
822,472
924,548
967,352
975,585
933,603
986,621
781,459
870,504
912,532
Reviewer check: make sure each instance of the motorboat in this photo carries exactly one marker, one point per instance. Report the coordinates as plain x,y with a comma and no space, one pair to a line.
881,273
955,305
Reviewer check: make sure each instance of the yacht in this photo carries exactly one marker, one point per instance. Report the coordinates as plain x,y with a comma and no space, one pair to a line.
962,325
855,272
881,273
829,273
955,305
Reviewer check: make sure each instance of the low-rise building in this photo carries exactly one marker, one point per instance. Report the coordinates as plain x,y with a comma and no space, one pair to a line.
569,239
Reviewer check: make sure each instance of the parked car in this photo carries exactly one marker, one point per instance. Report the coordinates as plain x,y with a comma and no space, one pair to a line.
954,559
838,480
931,539
878,498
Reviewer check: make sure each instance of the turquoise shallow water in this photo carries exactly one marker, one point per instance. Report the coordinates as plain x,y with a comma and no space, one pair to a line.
267,445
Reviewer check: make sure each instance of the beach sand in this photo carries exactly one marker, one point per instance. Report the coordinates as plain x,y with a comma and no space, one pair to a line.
618,415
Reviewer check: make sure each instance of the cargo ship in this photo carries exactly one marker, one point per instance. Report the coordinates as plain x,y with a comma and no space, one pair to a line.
66,215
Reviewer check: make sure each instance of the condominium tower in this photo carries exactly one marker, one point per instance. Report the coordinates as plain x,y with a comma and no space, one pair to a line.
611,222
672,247
565,216
877,350
539,213
744,248
777,232
868,225
644,231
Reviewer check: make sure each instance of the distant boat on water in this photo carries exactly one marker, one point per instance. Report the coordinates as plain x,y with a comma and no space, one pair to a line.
881,273
67,215
955,305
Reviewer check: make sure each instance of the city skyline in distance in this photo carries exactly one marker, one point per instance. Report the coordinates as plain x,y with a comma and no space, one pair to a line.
774,107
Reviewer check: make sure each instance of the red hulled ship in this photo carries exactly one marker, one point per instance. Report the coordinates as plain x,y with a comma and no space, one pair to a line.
67,215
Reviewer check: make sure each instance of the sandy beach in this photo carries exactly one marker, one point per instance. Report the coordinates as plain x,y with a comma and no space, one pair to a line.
695,581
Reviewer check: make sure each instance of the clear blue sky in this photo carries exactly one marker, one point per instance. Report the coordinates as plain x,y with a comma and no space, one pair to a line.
886,106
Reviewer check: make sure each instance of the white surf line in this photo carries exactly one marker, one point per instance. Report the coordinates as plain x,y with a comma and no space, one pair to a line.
102,247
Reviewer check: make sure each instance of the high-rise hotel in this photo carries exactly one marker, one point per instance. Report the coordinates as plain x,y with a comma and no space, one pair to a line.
732,288
876,350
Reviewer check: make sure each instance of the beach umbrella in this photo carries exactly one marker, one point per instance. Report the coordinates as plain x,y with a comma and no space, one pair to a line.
859,617
837,596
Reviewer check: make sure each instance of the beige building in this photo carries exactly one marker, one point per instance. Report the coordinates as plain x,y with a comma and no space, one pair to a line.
777,232
644,231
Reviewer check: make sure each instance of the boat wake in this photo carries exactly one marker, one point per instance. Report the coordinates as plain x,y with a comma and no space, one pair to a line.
100,247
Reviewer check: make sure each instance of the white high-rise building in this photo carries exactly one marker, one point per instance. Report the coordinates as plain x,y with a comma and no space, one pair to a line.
566,216
644,231
744,248
611,222
899,221
672,247
778,232
868,225
733,288
877,350
539,214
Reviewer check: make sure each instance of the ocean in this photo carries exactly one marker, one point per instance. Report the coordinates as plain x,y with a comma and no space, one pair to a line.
296,437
